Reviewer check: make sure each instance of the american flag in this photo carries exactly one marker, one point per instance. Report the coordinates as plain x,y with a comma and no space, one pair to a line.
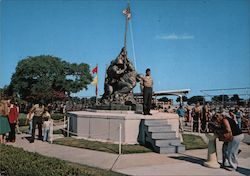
127,13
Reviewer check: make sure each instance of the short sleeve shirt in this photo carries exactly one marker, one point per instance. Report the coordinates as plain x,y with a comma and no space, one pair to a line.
38,111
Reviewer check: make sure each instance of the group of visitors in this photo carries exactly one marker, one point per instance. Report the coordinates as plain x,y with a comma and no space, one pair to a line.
39,115
200,116
227,126
9,113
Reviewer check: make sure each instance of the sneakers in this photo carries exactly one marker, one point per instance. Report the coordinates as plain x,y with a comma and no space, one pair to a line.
239,151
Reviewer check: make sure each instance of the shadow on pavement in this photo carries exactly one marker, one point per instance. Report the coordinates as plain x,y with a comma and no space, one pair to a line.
200,161
243,171
28,138
189,158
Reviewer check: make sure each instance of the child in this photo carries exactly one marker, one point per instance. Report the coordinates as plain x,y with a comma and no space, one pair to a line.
29,118
46,125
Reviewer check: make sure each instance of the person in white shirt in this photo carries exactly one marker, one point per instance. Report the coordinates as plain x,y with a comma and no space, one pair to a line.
46,126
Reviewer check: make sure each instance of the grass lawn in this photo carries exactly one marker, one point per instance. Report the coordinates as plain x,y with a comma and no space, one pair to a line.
101,146
16,161
193,142
190,141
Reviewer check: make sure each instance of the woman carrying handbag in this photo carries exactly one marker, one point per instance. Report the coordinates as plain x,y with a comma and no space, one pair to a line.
232,135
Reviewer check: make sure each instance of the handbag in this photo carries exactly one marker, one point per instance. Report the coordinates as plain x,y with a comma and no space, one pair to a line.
226,137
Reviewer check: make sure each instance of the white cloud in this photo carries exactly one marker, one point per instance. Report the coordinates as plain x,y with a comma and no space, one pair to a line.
174,36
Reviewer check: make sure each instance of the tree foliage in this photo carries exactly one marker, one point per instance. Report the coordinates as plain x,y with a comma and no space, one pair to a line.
163,99
4,92
184,99
235,98
220,98
47,77
195,99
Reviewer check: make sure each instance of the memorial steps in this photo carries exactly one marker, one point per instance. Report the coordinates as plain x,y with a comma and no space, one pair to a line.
159,135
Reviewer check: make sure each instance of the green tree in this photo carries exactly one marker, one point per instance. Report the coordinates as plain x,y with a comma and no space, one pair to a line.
49,78
195,99
184,99
220,98
235,98
7,93
163,99
3,92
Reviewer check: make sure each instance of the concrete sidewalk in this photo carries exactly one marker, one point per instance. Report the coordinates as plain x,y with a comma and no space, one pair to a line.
188,163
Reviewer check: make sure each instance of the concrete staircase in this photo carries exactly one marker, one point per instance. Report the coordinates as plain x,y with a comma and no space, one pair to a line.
159,135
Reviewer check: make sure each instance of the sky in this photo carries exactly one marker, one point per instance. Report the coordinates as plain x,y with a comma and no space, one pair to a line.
194,44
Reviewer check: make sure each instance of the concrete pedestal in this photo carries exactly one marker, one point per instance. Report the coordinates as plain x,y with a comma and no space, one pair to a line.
103,125
212,161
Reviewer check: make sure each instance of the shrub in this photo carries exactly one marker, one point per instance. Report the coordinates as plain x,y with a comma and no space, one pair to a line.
16,161
57,116
22,119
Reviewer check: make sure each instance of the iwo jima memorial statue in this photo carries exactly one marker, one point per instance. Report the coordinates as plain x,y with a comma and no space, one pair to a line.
120,80
116,119
121,77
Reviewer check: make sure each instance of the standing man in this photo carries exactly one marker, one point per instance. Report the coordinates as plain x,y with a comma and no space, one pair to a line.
38,110
239,116
181,112
147,83
205,117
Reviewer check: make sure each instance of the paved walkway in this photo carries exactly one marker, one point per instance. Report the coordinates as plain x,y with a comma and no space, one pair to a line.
188,163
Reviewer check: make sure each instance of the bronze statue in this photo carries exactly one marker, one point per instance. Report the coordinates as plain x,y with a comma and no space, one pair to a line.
120,80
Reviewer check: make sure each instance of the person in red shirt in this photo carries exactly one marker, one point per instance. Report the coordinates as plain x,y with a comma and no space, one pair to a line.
13,117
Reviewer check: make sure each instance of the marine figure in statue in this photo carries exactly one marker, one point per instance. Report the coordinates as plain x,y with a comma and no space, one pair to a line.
120,80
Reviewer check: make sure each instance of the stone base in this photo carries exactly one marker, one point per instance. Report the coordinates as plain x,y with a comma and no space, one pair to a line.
103,125
113,107
137,107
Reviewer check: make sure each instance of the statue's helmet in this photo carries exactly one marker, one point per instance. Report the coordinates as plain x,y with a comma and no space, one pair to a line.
119,60
123,51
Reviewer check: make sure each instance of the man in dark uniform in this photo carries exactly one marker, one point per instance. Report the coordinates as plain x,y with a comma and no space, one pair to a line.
147,83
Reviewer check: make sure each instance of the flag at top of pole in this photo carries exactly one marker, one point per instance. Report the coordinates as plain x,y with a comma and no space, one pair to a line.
95,70
127,12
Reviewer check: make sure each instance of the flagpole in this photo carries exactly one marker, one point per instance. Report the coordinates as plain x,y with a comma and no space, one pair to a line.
125,36
126,28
